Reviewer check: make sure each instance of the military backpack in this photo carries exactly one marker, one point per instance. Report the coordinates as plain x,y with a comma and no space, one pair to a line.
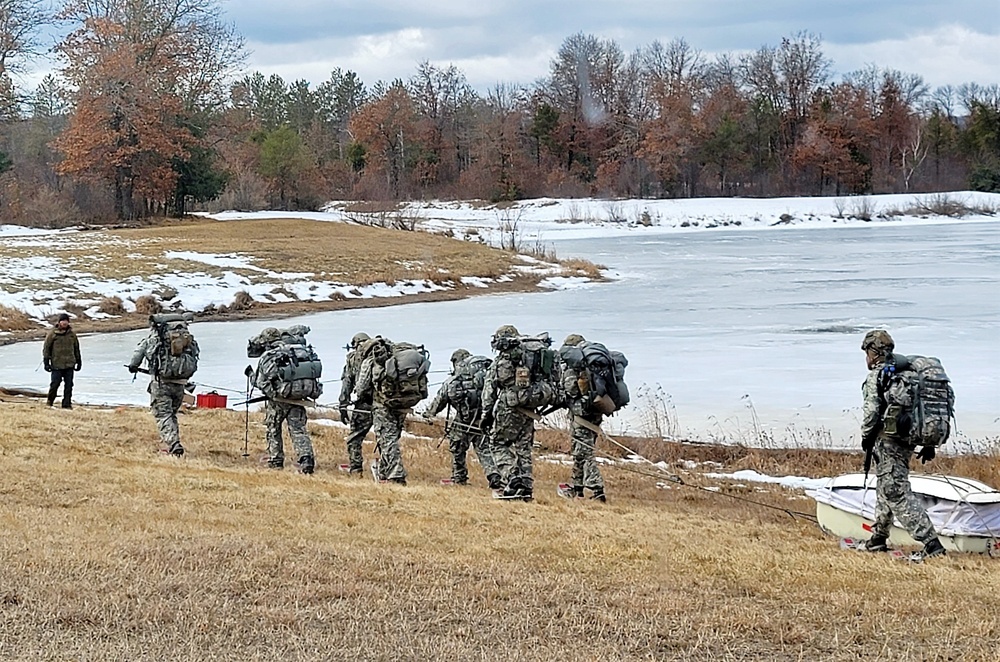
535,381
466,385
174,354
400,379
919,399
601,375
290,371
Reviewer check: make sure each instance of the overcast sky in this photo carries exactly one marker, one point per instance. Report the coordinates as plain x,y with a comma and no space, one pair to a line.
514,41
946,42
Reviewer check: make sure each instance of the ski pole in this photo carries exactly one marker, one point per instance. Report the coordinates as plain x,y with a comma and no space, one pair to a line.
248,371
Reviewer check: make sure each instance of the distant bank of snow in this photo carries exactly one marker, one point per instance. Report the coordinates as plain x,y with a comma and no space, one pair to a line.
550,219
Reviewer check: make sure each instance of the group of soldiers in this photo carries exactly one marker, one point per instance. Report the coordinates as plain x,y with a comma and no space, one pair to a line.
488,418
485,395
496,403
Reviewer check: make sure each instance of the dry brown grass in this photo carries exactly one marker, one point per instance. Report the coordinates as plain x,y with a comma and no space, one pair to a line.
339,251
112,552
111,306
15,319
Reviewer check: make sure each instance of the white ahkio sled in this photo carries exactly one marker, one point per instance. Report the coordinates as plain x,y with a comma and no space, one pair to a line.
965,512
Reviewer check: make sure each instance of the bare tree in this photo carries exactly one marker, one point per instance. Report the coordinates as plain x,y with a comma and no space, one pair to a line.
20,23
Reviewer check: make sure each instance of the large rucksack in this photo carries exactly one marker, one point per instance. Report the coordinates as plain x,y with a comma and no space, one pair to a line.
602,373
288,369
401,378
920,402
174,354
536,373
466,385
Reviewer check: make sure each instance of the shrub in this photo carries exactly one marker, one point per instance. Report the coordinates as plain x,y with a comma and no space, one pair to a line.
111,306
242,301
147,304
15,319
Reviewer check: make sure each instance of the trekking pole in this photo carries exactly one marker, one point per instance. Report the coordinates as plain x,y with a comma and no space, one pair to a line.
248,371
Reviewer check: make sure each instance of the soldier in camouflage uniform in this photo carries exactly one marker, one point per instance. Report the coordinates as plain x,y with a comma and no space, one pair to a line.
165,395
892,456
586,474
512,432
388,422
277,412
463,430
360,419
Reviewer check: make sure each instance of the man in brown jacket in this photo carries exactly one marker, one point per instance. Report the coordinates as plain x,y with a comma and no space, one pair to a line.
61,355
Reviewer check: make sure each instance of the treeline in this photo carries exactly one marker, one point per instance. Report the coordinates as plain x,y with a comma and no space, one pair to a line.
148,115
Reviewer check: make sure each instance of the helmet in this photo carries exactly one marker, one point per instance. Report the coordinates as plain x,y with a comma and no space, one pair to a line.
503,336
359,338
574,339
460,355
879,340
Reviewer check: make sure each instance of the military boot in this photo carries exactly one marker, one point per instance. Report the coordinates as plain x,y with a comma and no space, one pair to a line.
932,548
874,544
307,464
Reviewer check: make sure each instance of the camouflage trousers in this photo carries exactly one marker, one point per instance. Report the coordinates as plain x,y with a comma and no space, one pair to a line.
462,435
513,437
582,444
276,413
165,401
894,496
361,423
388,429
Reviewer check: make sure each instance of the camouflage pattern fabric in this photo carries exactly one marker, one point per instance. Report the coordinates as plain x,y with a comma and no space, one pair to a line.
892,457
276,413
872,405
361,418
582,444
62,348
894,496
165,399
388,429
583,441
462,432
361,424
512,438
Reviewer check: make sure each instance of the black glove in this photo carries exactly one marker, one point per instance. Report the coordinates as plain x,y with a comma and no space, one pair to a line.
487,422
77,367
133,369
867,444
344,415
926,454
48,365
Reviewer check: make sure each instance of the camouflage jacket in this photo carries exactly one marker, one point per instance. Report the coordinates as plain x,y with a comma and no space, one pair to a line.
448,395
575,401
349,377
62,348
873,407
499,376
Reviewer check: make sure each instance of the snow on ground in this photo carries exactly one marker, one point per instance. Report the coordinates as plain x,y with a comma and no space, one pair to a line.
791,482
547,219
42,285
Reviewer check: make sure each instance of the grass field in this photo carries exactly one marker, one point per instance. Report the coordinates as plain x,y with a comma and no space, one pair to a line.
109,551
78,270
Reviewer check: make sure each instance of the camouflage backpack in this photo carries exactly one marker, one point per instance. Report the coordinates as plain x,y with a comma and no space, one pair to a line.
401,378
466,385
289,368
601,375
920,402
175,352
536,372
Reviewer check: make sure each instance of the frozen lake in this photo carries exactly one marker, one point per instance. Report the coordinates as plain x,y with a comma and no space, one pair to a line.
743,335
